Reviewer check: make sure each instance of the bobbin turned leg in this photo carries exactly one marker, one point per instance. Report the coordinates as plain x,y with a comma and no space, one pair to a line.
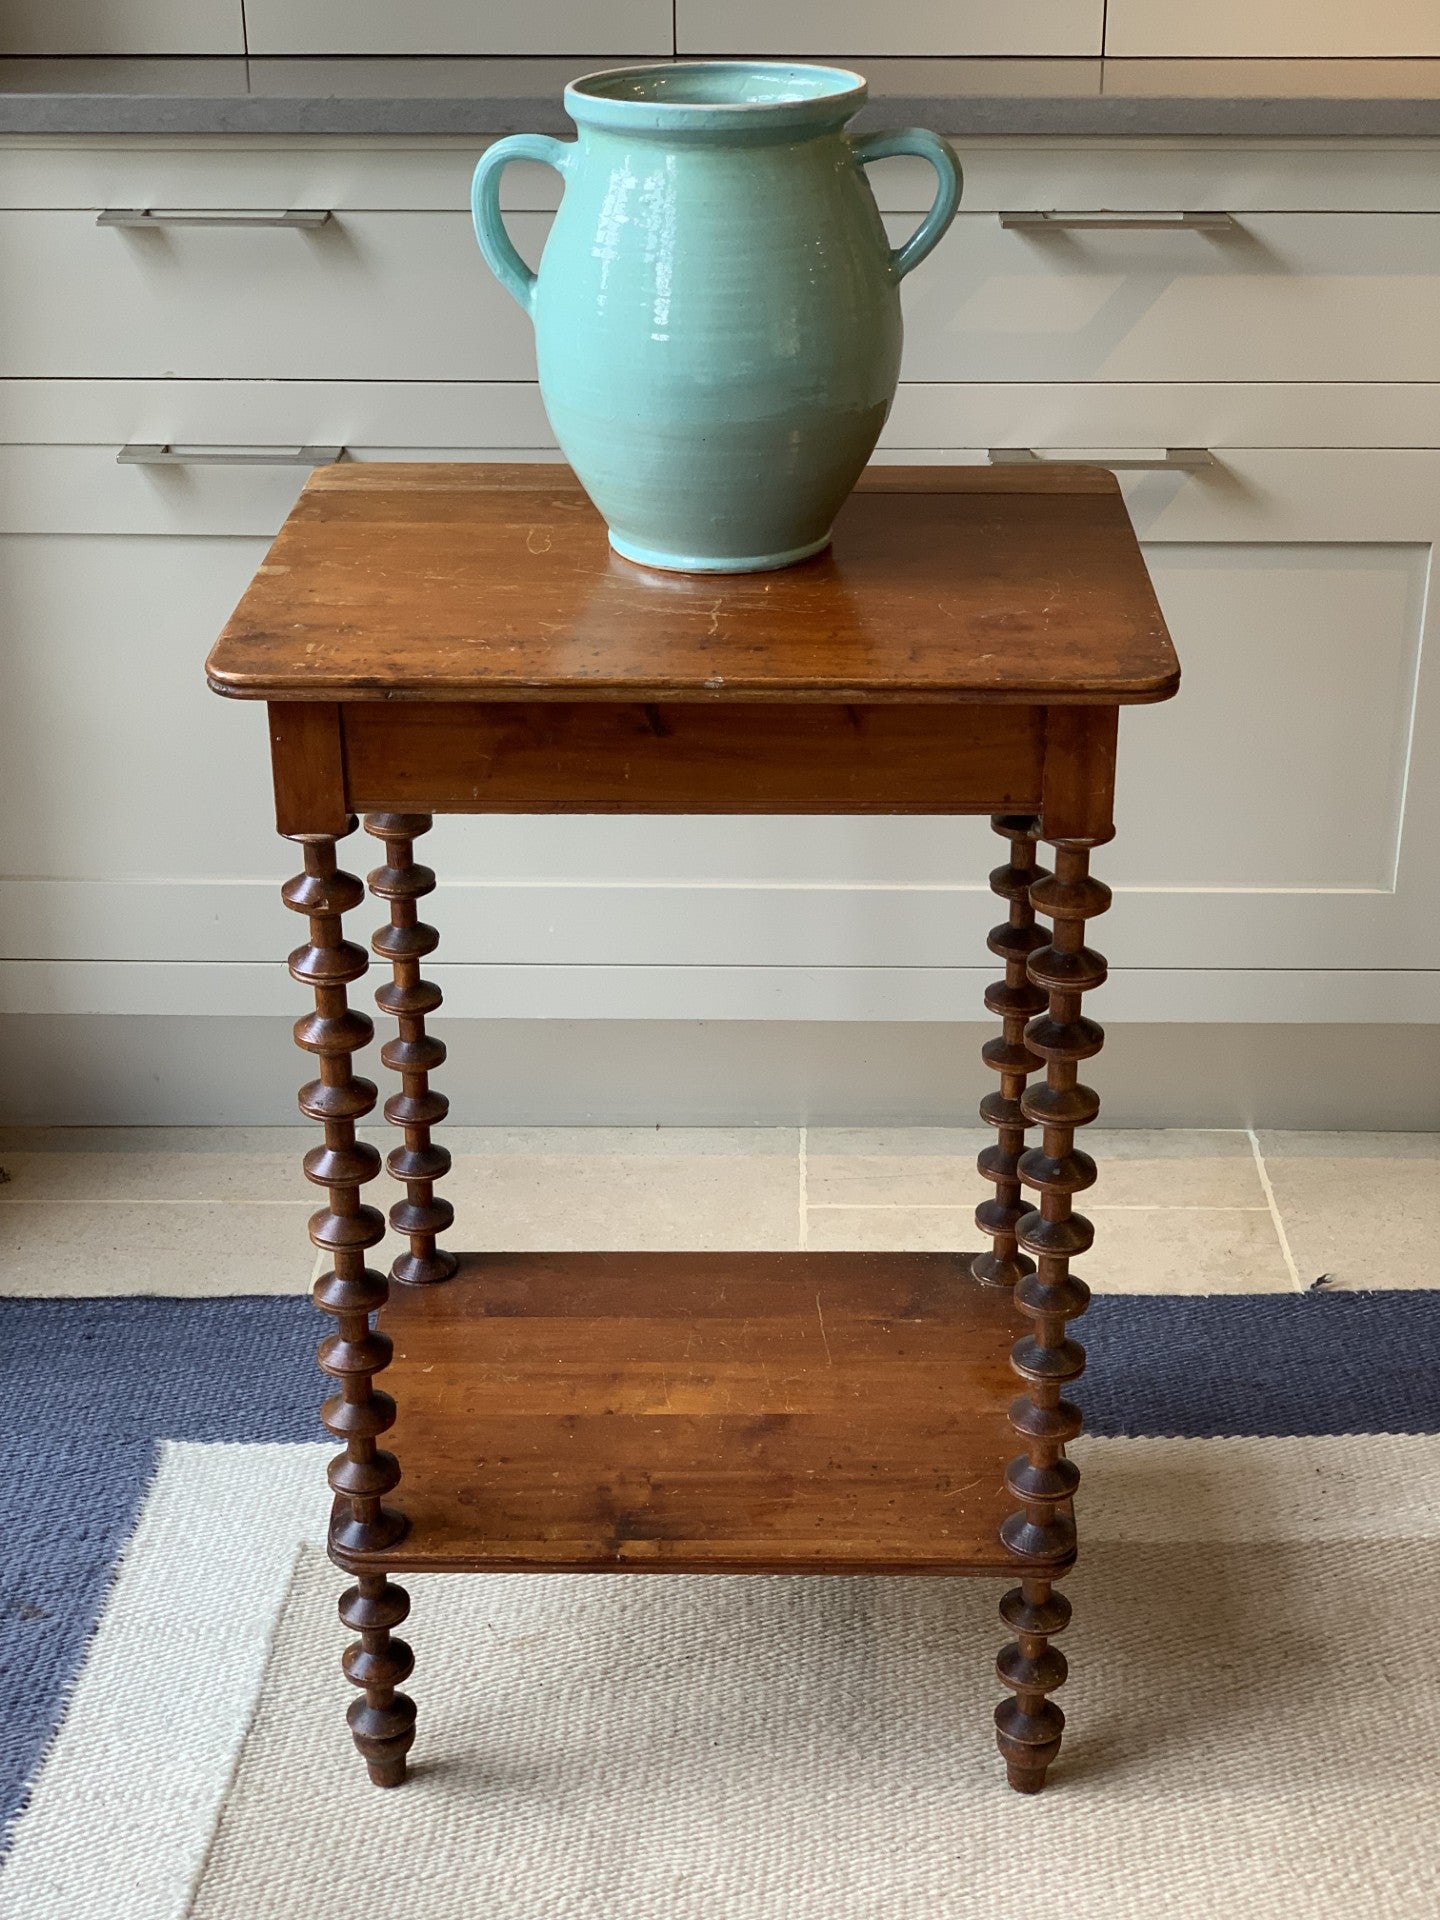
383,1722
1042,1479
420,1216
1014,999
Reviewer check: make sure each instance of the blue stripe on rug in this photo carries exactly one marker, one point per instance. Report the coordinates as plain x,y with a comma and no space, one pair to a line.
93,1385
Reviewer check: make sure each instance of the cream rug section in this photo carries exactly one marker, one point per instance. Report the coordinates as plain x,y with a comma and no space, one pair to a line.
124,1807
1252,1724
1253,1705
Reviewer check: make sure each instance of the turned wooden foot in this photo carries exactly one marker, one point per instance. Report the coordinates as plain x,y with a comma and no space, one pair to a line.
382,1721
1028,1727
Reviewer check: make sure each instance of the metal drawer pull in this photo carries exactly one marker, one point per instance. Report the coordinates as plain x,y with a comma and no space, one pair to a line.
1141,222
183,217
1173,460
139,455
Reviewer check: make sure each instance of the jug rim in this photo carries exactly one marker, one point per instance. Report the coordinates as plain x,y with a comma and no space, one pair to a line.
702,96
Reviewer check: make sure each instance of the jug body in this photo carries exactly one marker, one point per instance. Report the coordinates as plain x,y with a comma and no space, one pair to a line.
717,311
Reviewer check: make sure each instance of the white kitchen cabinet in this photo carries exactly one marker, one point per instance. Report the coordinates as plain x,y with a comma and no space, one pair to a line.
1272,862
605,30
1272,29
823,29
121,26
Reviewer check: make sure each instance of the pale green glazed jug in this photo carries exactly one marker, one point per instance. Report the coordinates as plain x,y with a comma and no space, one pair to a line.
717,311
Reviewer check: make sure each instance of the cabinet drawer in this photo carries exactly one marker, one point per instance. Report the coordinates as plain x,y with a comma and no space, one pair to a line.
586,27
818,28
121,26
367,296
1272,29
1277,296
940,417
73,490
236,440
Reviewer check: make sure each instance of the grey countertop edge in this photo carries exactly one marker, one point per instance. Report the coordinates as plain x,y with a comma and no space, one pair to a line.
961,116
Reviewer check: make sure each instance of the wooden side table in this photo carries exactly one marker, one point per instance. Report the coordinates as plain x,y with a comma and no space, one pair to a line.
450,638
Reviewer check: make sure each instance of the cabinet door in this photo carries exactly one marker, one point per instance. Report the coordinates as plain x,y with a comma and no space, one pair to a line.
854,28
1276,821
115,758
595,29
121,26
1273,29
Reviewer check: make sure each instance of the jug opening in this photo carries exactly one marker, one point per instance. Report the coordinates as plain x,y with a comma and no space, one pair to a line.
714,94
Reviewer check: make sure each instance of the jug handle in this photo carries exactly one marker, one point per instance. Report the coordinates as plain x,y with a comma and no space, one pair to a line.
495,243
923,146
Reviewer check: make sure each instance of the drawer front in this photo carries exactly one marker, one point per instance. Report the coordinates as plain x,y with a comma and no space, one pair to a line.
367,296
1280,296
1272,29
122,26
766,28
233,467
598,28
392,295
941,418
227,488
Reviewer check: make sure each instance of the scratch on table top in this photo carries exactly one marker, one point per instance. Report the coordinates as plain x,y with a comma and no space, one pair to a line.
819,1315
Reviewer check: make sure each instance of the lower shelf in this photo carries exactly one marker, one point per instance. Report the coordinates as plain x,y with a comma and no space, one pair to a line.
701,1412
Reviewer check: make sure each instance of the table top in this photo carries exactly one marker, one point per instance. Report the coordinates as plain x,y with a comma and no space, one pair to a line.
467,582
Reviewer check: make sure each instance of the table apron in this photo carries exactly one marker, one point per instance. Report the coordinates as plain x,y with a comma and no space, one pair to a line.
683,758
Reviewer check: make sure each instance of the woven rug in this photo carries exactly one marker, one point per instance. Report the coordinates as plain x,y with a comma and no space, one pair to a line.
1252,1703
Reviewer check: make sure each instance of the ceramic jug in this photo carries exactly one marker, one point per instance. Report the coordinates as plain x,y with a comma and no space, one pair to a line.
717,311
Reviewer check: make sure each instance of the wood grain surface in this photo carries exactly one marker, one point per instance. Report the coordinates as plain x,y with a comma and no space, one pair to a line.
703,1412
447,581
536,756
